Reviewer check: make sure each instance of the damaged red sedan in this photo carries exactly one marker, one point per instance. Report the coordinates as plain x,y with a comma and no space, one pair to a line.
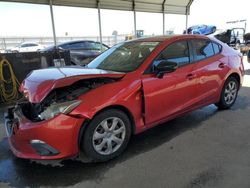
129,88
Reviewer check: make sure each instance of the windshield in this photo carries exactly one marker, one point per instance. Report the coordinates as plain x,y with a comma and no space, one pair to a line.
124,57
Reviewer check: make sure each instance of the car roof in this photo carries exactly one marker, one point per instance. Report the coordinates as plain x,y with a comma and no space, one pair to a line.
75,41
29,43
170,37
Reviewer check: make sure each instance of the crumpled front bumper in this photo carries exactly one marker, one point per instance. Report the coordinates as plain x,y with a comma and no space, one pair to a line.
51,139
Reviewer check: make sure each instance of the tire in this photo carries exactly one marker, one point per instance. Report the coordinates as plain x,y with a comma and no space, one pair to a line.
229,94
106,136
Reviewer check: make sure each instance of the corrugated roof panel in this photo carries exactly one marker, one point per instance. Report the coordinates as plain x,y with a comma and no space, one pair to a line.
145,7
170,9
171,6
113,4
177,2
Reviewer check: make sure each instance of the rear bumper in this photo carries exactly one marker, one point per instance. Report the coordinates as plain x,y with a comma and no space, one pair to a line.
52,139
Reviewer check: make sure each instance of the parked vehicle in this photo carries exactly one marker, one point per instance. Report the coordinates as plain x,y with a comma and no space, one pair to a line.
2,51
232,37
244,48
201,29
126,90
27,47
81,51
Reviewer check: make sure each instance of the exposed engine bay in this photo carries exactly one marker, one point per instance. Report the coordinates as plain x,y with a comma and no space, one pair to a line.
35,111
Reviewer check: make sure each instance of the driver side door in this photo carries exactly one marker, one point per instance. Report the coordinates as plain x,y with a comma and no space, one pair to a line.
172,94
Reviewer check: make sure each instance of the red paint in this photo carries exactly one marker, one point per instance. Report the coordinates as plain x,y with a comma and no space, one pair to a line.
39,83
188,88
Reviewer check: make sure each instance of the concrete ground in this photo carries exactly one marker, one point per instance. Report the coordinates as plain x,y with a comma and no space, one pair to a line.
205,148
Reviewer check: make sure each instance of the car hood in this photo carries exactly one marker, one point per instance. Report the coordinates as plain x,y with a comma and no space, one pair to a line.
38,84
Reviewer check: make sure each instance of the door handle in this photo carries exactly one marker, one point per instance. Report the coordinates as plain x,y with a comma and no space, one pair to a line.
221,65
191,76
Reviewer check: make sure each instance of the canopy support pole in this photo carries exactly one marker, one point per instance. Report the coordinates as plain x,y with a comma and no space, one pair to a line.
186,23
163,14
163,23
52,21
99,20
187,13
134,19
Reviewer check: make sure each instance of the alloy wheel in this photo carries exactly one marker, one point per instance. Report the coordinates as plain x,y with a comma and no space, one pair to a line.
230,92
109,135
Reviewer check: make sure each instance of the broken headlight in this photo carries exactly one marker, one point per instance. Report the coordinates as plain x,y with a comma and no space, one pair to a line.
56,108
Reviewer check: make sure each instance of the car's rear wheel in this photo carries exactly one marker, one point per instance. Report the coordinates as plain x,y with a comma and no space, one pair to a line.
229,93
107,135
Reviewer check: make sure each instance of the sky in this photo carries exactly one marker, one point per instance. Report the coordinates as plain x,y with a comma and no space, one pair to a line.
18,19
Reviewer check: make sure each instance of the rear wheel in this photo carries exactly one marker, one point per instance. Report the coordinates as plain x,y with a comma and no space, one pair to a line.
229,93
107,135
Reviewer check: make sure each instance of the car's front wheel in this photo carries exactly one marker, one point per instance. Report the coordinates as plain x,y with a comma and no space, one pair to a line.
229,93
106,136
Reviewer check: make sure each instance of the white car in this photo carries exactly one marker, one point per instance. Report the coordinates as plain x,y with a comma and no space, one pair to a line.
28,47
2,51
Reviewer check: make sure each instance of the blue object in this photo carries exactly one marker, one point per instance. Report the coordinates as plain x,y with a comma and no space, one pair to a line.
201,29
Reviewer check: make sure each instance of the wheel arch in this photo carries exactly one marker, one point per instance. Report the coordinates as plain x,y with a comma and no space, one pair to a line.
117,107
123,109
236,76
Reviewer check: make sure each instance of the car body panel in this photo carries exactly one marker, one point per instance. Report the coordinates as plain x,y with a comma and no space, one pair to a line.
147,99
125,93
62,129
168,95
39,83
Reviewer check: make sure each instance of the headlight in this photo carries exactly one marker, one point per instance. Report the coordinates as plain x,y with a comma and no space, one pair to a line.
54,109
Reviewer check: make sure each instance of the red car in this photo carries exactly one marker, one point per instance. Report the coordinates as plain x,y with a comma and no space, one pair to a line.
128,89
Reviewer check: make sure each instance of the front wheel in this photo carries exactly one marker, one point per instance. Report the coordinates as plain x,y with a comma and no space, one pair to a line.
107,135
228,94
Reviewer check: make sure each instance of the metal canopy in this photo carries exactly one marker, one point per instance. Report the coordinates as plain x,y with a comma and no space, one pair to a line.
155,6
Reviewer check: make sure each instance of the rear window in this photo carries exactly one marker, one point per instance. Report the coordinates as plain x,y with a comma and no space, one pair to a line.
217,48
202,49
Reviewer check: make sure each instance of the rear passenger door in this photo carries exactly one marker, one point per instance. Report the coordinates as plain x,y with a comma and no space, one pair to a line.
207,69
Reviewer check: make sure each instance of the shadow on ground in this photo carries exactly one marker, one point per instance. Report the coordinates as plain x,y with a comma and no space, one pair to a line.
23,173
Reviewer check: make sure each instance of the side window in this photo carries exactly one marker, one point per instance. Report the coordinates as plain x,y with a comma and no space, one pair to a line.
64,46
77,45
177,52
96,46
202,49
24,45
217,48
31,45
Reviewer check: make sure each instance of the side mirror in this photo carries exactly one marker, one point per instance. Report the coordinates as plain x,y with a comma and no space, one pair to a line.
165,67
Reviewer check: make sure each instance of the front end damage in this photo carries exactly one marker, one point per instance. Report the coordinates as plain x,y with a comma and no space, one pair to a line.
46,130
61,100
